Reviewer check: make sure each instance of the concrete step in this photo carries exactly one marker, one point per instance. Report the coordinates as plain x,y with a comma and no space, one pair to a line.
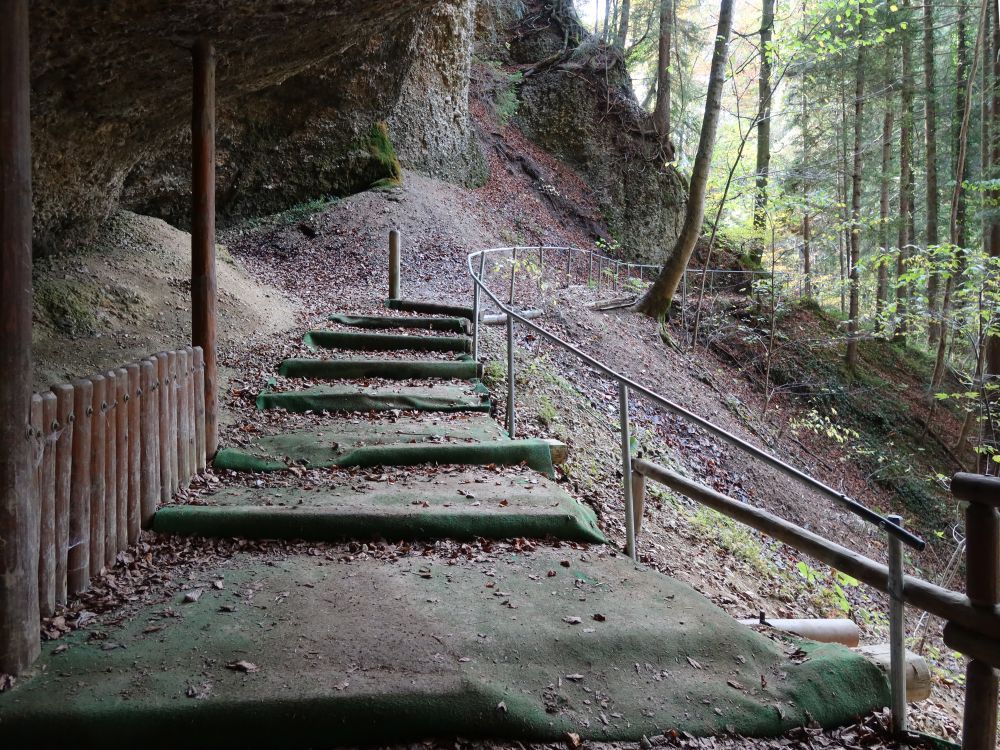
452,324
346,398
386,342
431,308
390,369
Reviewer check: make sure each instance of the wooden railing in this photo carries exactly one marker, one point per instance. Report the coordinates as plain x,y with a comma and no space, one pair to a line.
107,450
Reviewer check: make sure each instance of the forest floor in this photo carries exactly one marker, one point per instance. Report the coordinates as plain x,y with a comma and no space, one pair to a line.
333,257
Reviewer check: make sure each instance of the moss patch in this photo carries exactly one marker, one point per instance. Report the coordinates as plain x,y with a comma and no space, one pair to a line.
381,148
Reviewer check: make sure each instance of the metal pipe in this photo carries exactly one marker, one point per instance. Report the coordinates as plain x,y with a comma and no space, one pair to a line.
897,632
513,273
476,302
510,375
627,470
855,507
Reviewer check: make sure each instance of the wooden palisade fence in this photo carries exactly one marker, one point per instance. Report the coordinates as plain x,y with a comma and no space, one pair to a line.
107,450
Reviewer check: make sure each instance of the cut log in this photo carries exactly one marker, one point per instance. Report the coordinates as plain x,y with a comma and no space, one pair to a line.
825,631
559,450
496,319
918,674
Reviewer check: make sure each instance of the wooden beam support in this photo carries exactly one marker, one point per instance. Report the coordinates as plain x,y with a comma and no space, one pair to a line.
204,286
19,633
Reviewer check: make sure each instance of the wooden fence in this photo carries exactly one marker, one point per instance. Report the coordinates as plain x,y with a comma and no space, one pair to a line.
107,450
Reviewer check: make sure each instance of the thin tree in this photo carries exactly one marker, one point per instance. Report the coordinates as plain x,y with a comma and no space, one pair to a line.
905,178
656,301
993,354
882,283
661,112
623,24
764,95
855,227
930,139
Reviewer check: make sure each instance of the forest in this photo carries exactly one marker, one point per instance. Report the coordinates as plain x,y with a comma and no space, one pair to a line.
854,164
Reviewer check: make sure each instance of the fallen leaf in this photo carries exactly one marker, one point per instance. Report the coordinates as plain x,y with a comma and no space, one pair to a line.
247,667
694,664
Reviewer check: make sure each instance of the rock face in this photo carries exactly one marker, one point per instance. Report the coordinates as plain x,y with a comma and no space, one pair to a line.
576,102
302,86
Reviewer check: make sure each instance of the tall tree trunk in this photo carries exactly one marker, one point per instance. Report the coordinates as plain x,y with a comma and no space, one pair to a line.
806,255
623,24
656,301
961,80
844,236
905,178
661,113
930,139
806,228
859,107
993,354
882,286
763,127
607,21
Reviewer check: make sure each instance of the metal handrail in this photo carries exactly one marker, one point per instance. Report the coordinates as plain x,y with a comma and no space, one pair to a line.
624,382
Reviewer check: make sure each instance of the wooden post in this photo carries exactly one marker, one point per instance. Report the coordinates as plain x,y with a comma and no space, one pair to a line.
134,449
19,634
204,288
78,549
149,426
183,462
99,408
172,397
393,264
110,469
121,459
47,507
199,409
64,475
638,500
162,387
192,439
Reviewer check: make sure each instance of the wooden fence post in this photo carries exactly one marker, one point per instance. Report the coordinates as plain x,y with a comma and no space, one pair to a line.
121,460
64,470
199,409
192,408
182,420
393,264
149,421
204,287
172,422
19,633
110,469
134,449
163,424
78,550
98,416
47,507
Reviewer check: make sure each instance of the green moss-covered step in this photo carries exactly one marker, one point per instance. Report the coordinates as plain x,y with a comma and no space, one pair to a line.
440,398
308,651
459,506
392,369
386,342
431,308
453,324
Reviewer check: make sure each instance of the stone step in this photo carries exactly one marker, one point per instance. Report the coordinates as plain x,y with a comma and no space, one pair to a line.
431,308
452,324
390,369
323,650
386,342
345,398
459,505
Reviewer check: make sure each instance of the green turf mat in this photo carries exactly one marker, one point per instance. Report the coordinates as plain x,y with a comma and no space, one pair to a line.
430,308
440,398
307,651
393,369
386,342
447,508
456,325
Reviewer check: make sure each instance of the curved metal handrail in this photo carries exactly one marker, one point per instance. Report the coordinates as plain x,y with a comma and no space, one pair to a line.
625,382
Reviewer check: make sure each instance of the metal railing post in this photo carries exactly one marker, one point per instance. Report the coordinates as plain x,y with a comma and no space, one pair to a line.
513,273
627,470
897,631
590,268
510,375
569,266
476,304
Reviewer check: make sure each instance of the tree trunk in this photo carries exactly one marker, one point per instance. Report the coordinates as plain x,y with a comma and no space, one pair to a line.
882,287
763,127
843,237
961,81
853,322
930,139
905,178
656,301
993,353
806,259
661,113
623,25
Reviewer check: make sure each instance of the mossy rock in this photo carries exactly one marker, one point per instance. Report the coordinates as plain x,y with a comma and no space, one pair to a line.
384,154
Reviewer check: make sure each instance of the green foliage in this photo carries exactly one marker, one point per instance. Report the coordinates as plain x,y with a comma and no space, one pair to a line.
507,101
380,146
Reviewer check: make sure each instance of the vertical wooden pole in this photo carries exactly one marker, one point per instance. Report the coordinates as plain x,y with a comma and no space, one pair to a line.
36,435
98,415
47,507
204,287
110,469
183,463
78,550
134,449
121,459
199,409
982,585
172,398
393,264
19,634
162,387
149,426
64,474
192,438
